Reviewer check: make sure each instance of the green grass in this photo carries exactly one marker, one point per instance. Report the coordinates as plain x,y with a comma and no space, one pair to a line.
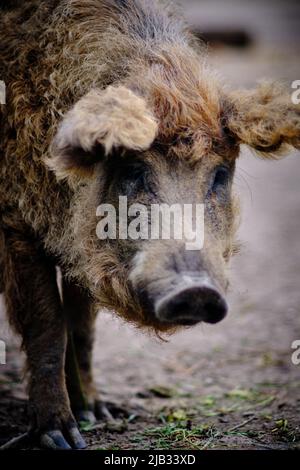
180,436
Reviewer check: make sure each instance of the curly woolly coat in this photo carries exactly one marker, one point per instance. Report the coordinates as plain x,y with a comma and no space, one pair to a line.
53,53
86,78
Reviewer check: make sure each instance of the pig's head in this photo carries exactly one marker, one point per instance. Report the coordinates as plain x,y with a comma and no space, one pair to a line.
165,144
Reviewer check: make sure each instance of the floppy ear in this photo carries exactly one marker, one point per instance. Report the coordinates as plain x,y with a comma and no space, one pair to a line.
103,120
265,119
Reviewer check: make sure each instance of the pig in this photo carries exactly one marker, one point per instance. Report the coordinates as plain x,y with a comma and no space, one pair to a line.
110,98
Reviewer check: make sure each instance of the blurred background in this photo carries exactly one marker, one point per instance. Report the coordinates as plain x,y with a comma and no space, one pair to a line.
230,385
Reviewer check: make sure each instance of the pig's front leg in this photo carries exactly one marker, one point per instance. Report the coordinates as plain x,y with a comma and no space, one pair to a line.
35,309
81,314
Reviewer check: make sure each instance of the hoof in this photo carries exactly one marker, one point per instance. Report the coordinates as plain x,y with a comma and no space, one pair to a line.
66,438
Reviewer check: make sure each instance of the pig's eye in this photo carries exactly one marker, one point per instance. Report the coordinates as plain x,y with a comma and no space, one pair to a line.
220,181
134,179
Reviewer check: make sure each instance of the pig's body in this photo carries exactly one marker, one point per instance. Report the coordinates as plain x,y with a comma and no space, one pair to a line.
38,62
143,97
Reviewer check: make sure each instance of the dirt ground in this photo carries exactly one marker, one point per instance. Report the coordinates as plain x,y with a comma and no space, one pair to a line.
227,386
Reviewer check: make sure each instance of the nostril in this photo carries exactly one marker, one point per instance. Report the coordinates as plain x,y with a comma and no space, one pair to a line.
180,308
210,308
215,311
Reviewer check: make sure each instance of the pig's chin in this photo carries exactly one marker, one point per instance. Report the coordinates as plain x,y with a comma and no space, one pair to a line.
171,324
185,322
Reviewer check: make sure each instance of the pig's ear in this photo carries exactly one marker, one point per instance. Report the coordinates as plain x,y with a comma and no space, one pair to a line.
265,119
101,121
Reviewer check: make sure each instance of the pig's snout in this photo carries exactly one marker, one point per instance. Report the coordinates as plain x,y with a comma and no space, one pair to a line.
189,305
